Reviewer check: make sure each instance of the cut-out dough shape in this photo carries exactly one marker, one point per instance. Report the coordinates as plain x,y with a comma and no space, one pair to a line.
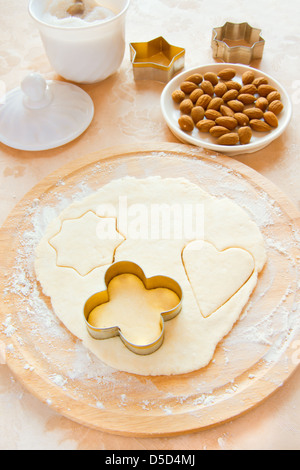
86,243
215,276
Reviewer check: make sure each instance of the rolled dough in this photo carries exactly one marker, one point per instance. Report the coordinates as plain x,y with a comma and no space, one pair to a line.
217,272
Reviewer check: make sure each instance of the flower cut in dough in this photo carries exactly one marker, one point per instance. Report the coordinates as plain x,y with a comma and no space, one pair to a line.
134,309
217,267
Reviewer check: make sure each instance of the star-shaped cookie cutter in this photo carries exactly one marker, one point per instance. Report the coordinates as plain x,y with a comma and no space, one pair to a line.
156,60
237,43
128,267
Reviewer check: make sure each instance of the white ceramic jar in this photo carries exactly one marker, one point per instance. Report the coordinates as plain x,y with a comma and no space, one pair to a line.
85,54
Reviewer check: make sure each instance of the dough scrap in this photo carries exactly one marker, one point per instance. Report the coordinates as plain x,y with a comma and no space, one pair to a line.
190,338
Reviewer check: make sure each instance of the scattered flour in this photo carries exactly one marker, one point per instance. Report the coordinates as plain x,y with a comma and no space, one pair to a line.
58,380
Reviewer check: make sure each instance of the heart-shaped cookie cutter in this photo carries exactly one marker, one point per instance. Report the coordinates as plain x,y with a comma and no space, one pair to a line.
159,281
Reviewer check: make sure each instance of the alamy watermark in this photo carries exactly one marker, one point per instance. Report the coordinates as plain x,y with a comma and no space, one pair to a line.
151,221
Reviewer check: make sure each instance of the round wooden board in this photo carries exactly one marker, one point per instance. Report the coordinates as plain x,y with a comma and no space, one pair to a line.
249,364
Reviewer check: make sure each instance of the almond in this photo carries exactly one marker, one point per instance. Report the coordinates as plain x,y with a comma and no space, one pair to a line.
228,139
227,74
245,135
188,87
178,96
212,114
220,89
205,125
254,113
230,95
276,107
76,9
186,106
247,77
241,118
207,87
246,98
204,101
271,119
226,111
195,78
262,103
195,95
197,114
259,126
249,89
265,90
274,95
217,131
227,121
211,77
186,123
260,81
232,85
215,103
236,106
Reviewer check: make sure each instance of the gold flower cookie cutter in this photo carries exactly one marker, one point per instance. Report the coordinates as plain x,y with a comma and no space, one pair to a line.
237,43
128,267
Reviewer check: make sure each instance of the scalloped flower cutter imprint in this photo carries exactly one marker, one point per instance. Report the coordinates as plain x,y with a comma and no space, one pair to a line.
100,298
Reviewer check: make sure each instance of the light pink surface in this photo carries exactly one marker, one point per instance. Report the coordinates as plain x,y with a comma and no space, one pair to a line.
129,112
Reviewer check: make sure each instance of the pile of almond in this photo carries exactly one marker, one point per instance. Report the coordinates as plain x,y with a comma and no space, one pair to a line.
227,109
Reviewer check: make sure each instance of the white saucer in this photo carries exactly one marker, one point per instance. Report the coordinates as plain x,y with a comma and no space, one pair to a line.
259,140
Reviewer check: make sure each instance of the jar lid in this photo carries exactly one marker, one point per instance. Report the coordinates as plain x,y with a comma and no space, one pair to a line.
42,115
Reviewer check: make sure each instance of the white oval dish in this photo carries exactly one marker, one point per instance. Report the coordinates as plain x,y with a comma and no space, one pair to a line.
259,140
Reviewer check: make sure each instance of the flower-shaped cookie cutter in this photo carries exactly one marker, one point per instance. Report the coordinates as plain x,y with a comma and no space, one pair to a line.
237,43
156,60
128,267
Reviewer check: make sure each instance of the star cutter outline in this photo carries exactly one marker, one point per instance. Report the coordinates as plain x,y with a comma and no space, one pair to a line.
119,237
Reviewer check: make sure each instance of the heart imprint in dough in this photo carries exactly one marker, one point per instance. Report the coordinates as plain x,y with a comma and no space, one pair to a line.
215,276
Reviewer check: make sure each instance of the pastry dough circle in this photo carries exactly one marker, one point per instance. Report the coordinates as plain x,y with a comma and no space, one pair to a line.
190,338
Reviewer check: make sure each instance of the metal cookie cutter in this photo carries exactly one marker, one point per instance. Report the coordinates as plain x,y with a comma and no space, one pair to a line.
156,60
128,267
237,43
